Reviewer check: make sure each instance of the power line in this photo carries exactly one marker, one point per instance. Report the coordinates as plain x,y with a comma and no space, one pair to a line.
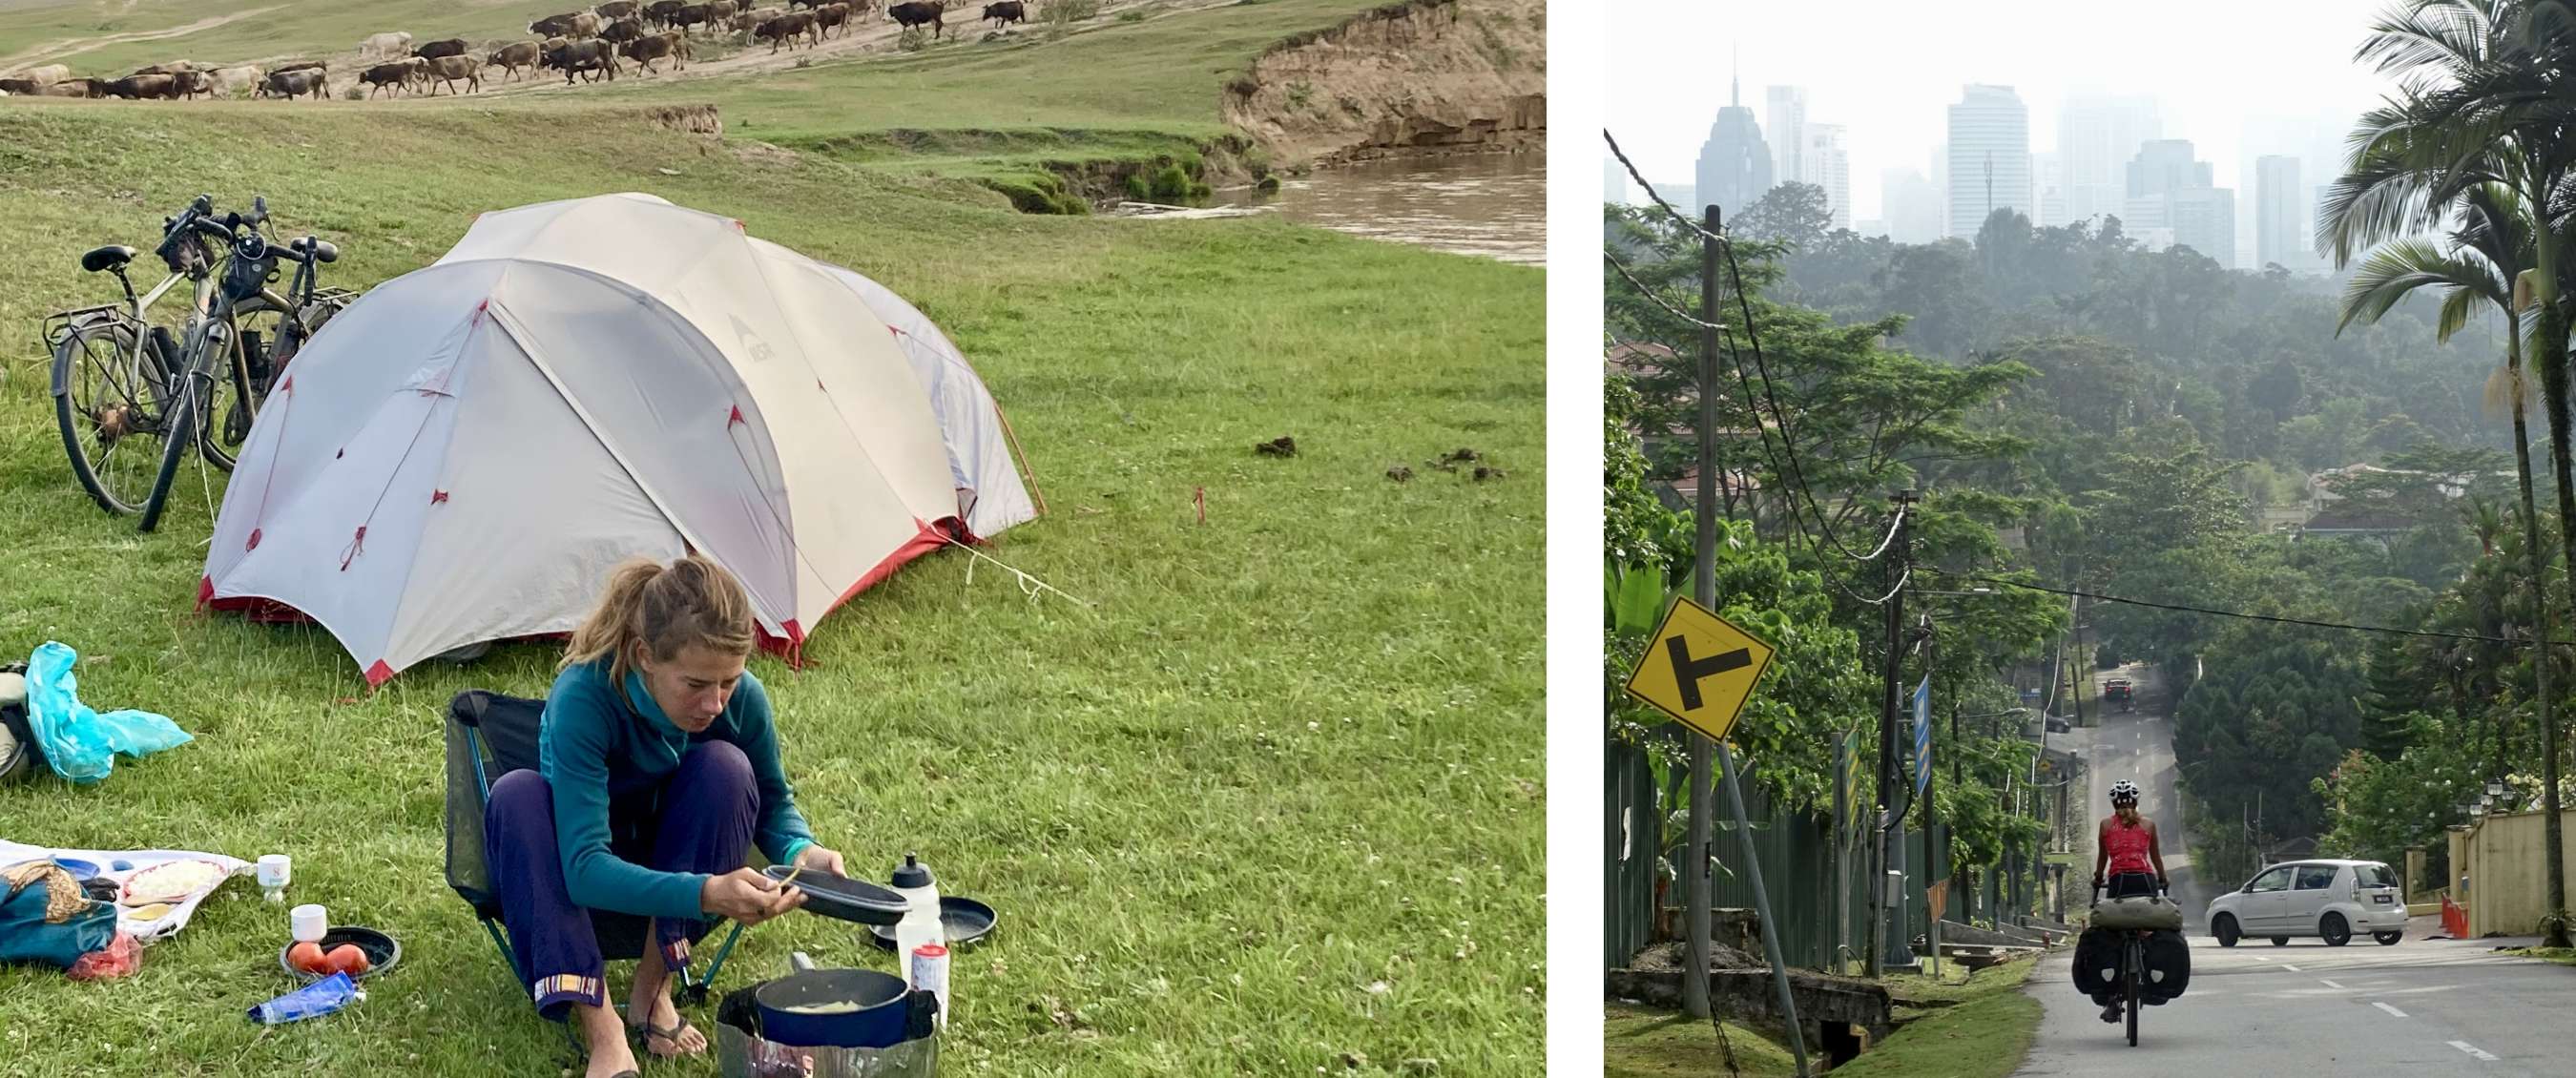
2312,623
1787,441
1678,215
1824,565
1651,297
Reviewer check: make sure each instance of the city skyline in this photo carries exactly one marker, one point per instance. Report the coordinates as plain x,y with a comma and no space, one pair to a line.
2238,81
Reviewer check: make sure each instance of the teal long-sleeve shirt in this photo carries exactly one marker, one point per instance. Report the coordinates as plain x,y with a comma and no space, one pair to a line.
593,748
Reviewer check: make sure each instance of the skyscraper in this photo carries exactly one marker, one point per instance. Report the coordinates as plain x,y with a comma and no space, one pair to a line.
2097,136
1734,164
1911,204
1828,166
2204,219
1989,156
1784,120
2161,168
2281,214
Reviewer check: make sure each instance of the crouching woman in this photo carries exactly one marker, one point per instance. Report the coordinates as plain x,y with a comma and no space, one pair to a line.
658,772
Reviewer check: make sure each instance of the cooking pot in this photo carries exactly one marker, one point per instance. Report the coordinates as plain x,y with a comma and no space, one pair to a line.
836,1008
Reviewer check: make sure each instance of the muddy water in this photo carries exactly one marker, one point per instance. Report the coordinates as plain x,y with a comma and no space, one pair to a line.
1491,205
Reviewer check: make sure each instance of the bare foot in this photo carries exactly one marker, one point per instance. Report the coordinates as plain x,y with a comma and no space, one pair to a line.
605,1033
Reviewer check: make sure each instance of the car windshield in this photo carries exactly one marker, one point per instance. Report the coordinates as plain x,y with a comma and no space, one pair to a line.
2375,875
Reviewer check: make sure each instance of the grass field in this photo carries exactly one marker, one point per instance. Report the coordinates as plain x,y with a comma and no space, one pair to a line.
1139,84
1272,805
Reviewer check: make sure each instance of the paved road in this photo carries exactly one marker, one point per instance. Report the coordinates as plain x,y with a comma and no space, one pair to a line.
2424,1006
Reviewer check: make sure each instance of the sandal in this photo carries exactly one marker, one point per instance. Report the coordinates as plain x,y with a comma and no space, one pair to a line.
646,1033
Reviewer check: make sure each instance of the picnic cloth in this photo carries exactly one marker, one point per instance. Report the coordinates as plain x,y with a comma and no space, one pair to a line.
143,930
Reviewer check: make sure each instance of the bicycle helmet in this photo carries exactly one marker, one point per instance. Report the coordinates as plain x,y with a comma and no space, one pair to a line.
2123,790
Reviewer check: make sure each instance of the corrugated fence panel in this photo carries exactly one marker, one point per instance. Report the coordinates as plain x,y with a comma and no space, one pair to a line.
1633,838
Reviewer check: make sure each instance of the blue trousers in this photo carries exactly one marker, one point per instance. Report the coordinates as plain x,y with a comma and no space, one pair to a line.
701,821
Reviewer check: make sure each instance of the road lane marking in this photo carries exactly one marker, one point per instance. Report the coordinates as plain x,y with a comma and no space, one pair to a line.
2474,1050
2291,968
2329,984
2389,1009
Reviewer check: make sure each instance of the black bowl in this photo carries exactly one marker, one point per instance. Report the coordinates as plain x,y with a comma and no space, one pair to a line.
382,951
844,898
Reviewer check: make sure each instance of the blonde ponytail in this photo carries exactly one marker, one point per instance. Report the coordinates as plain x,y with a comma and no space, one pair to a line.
668,608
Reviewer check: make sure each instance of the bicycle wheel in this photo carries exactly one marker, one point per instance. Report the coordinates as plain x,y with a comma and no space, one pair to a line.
179,431
110,389
243,372
2135,960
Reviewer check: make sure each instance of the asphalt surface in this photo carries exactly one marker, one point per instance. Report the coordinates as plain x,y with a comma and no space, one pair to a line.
2424,1006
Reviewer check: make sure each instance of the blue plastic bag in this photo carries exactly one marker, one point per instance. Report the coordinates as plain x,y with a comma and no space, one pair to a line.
79,743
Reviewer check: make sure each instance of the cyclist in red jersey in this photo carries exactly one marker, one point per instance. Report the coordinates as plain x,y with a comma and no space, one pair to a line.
2127,860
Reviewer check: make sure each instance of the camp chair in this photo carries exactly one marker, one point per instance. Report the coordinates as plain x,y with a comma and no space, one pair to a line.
490,735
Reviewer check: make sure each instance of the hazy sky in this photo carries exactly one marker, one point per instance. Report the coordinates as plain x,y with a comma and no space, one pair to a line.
2237,77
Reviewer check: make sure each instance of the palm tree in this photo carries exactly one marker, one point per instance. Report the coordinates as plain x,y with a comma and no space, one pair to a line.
2480,129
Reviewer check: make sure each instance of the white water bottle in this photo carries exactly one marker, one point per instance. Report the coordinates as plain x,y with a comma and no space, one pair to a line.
920,922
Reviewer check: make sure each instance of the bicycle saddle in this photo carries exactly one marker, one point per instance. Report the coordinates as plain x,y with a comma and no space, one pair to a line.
321,250
108,257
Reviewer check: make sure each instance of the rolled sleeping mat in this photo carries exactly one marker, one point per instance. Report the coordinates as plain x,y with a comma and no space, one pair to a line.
2138,911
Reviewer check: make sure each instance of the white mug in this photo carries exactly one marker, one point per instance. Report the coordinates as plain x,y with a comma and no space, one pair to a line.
310,922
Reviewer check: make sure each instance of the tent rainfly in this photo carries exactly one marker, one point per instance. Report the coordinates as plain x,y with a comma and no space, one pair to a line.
462,455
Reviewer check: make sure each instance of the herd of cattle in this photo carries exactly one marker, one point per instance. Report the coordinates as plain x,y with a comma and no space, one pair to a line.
585,43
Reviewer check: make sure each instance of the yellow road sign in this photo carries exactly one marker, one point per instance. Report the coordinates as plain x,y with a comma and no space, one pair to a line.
1699,668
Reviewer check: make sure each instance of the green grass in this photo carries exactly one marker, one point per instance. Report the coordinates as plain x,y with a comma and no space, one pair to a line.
1275,800
1643,1042
1960,1025
1982,1033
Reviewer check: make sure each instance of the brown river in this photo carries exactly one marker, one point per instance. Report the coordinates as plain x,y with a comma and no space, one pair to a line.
1487,205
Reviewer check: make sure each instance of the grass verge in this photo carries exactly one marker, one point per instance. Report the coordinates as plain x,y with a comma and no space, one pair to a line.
1273,806
1980,1029
1641,1042
2565,956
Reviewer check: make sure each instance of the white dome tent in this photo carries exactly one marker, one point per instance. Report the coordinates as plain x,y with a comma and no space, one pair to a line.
465,452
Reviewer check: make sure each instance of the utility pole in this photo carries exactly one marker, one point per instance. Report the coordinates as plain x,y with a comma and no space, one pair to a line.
1840,851
1704,582
1900,554
1931,914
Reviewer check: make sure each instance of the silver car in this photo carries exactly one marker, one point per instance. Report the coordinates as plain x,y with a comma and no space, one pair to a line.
2333,900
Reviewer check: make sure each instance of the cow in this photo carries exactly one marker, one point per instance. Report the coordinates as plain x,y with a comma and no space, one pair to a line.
622,31
794,4
914,13
22,87
396,75
660,12
616,9
1006,12
137,87
785,29
723,11
192,83
76,88
573,56
172,68
672,45
448,69
304,81
302,65
553,25
510,58
231,81
691,15
46,75
387,44
454,46
828,16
